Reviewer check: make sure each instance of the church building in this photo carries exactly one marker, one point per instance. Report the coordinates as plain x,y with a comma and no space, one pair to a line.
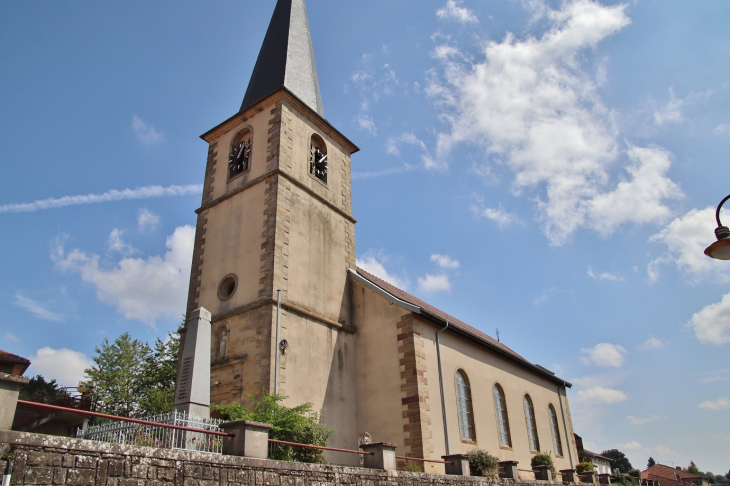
275,253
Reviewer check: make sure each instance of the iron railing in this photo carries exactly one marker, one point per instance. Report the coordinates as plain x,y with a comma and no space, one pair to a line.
160,436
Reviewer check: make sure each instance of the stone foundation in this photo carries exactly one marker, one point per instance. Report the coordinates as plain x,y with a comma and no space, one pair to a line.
51,460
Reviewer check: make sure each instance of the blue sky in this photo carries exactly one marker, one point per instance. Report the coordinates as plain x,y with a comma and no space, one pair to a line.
546,169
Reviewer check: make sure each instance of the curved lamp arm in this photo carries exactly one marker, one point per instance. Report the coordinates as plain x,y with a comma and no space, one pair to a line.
717,214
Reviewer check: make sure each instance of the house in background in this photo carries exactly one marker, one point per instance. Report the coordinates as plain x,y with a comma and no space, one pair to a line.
12,364
672,476
602,465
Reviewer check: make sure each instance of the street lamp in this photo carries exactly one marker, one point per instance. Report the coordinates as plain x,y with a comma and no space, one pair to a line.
721,248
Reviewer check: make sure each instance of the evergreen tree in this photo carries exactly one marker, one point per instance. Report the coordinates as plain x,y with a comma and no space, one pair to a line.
651,462
692,469
41,391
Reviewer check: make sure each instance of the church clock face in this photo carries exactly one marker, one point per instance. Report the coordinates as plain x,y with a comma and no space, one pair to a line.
239,158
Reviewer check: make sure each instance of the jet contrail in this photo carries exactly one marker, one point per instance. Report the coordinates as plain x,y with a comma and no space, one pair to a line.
113,195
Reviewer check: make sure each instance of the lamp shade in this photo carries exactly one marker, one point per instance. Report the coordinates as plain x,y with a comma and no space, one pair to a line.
719,250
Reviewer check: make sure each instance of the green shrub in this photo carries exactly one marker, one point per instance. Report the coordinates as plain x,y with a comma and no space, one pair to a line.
482,463
292,424
584,467
543,459
635,473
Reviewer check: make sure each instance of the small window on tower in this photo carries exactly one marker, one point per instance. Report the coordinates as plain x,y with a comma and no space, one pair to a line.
240,157
318,158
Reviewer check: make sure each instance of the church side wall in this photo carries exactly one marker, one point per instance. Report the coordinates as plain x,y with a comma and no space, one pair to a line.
319,368
485,368
380,410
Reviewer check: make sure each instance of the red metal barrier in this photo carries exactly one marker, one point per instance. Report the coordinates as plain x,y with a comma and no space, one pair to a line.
423,460
274,441
124,419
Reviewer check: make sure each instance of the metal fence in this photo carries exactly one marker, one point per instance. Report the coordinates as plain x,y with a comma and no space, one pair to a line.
154,436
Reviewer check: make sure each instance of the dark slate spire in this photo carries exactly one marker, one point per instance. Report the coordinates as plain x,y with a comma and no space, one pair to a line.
286,59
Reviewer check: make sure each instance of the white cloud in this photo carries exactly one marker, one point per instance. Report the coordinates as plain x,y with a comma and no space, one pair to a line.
64,365
146,220
711,325
117,244
11,337
434,283
140,289
365,122
599,395
371,264
604,276
653,343
531,107
721,129
37,309
147,134
719,404
453,11
686,238
671,112
445,262
631,446
643,421
498,215
145,192
393,145
664,450
604,355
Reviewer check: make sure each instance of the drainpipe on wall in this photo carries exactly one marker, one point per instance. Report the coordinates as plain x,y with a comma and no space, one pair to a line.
8,474
276,345
441,382
565,424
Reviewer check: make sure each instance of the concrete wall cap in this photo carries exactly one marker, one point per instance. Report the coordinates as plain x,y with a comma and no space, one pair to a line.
21,380
384,444
247,423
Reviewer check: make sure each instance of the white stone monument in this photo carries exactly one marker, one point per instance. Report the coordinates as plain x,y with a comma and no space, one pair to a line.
192,392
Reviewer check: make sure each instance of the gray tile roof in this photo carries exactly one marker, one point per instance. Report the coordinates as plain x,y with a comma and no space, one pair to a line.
286,59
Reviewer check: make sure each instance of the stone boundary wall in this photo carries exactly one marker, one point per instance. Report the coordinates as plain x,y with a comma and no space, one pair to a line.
50,460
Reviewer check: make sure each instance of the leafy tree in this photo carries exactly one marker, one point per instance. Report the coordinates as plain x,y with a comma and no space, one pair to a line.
651,462
41,391
692,469
159,371
292,424
118,375
618,460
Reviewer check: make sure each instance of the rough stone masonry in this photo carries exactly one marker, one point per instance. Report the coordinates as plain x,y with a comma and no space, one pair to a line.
36,459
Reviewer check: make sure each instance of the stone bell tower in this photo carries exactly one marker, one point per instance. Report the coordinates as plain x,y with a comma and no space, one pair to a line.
276,214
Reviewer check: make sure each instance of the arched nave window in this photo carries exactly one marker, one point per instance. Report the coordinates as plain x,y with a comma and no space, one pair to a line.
531,424
500,406
555,430
466,415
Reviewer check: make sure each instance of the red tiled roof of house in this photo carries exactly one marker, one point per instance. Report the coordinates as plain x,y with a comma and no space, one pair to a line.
405,296
667,472
12,358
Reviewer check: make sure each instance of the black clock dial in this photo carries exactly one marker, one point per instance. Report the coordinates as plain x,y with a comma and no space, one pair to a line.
239,157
